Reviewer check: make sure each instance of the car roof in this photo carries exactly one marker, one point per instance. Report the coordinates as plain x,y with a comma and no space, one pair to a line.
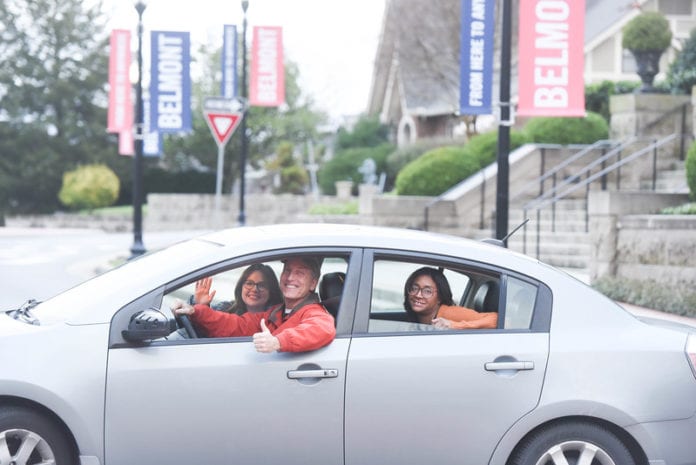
353,235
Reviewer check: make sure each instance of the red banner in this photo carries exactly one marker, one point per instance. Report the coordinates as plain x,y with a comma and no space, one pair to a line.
120,115
551,64
267,75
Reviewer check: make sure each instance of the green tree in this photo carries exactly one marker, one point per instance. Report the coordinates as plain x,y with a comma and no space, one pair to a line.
681,76
52,96
367,132
296,122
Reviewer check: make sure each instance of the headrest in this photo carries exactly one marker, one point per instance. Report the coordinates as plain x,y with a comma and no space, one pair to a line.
331,285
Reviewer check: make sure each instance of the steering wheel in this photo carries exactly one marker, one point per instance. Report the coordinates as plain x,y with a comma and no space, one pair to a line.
185,322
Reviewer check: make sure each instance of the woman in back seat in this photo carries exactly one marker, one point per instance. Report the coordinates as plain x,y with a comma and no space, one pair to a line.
428,300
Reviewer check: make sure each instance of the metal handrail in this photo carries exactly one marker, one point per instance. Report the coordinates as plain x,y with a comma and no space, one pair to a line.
558,193
600,144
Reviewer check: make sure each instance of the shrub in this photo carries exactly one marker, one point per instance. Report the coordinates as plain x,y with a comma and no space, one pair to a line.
344,166
484,147
293,180
647,31
564,131
597,95
346,208
691,170
686,209
681,76
89,186
404,155
649,294
436,171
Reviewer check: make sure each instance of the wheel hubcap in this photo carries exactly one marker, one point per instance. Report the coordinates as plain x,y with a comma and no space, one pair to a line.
22,447
575,453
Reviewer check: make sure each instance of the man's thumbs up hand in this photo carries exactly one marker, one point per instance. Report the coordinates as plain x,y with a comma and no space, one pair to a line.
264,341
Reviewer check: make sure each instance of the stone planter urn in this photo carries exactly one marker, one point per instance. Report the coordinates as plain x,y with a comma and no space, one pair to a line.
647,36
648,65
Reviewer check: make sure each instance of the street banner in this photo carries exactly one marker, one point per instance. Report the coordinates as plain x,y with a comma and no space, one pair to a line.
170,81
476,57
551,64
153,143
229,61
120,114
267,75
126,142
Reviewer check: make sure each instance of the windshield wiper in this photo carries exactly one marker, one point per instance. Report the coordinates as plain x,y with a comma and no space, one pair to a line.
24,314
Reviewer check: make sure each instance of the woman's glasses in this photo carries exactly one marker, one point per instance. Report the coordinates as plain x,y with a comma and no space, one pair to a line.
260,286
426,292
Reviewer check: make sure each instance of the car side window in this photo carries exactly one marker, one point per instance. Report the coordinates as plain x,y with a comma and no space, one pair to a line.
519,304
224,282
387,311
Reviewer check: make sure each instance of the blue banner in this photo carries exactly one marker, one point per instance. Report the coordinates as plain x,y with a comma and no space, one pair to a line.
170,82
229,61
153,145
476,60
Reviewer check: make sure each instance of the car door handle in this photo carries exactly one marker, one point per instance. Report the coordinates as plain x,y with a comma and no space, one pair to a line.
320,373
498,366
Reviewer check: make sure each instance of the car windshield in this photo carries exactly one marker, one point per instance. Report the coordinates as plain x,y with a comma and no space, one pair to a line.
129,276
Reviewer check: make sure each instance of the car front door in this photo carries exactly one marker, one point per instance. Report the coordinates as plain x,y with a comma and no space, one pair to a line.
415,395
218,401
222,402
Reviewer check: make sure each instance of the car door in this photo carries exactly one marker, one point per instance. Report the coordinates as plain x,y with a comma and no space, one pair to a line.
415,395
218,401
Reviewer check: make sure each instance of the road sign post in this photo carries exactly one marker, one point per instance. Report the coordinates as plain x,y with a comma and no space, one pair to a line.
222,115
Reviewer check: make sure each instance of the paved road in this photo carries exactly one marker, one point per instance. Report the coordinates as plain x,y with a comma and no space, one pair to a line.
39,263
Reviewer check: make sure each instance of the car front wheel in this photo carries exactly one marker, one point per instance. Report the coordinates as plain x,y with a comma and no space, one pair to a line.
28,438
573,443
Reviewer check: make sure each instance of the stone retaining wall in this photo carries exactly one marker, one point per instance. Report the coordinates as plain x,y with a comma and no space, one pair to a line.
639,246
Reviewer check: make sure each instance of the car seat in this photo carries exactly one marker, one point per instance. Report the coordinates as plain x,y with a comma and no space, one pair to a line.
486,297
330,290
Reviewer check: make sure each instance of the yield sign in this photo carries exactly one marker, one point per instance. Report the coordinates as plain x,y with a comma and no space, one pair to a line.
222,125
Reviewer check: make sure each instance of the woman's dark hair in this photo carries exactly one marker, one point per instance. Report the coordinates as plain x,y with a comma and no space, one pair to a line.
269,277
444,292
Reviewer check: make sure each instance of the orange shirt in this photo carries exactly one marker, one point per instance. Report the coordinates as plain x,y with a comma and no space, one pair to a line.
466,318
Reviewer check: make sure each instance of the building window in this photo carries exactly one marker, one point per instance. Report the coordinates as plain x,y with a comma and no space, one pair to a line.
628,62
675,7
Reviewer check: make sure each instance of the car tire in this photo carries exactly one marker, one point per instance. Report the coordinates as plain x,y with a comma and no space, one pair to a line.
567,442
42,441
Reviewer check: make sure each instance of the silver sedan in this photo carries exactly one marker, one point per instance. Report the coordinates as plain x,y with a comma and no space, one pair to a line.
104,374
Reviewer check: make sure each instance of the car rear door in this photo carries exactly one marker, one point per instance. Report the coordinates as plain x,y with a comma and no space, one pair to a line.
415,395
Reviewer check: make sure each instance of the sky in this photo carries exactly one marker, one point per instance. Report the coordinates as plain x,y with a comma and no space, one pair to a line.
333,42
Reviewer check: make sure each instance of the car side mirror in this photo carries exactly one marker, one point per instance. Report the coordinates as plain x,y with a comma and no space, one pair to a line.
147,325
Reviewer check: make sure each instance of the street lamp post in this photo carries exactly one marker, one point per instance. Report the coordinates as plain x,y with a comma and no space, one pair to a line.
503,178
138,248
245,141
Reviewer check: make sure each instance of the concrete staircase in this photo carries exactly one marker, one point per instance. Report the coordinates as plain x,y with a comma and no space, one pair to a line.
563,239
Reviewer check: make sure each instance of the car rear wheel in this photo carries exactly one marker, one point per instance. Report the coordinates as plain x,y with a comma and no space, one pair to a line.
28,438
573,443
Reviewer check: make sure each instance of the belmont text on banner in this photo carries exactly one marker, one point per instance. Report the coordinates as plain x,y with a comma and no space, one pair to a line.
267,75
551,66
476,60
229,61
170,81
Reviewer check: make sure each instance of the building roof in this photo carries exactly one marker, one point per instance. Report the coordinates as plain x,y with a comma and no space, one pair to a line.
418,55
